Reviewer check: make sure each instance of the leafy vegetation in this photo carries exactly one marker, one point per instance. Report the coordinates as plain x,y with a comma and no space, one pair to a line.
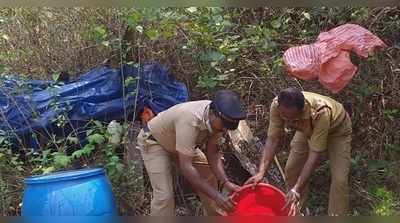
208,49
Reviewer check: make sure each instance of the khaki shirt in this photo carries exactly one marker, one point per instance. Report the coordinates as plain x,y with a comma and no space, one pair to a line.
322,117
182,128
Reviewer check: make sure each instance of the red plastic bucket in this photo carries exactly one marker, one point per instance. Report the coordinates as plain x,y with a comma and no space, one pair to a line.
263,200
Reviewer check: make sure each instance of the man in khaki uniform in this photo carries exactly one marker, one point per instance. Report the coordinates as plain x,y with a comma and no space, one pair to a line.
322,127
176,136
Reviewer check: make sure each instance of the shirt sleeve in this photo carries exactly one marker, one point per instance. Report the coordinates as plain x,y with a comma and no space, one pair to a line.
186,135
276,123
319,137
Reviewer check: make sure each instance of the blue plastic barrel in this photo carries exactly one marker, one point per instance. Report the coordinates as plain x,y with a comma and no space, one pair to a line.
84,192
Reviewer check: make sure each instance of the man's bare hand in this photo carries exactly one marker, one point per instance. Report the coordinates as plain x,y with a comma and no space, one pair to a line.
292,202
232,187
256,179
226,203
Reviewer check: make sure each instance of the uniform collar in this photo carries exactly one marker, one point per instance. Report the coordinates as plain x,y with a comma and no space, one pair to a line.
205,124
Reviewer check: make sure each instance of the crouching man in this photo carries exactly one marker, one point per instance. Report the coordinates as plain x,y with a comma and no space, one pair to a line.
186,136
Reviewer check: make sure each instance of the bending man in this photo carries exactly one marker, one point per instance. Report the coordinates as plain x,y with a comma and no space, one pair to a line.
175,137
322,127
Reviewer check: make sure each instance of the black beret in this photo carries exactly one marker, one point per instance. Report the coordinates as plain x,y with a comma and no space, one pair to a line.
227,106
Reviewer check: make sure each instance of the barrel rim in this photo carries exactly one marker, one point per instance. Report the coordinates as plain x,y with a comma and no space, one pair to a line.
64,175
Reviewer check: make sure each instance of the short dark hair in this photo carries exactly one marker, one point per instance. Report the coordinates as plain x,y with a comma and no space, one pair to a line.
291,97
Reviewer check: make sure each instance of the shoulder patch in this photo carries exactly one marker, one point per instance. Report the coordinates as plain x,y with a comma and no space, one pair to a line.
315,113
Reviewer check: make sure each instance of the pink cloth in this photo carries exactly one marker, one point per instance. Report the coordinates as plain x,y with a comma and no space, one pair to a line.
328,59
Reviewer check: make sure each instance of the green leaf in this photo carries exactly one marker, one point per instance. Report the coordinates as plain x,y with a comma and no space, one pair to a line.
2,68
207,81
360,14
251,30
99,33
227,24
55,76
276,24
218,19
62,160
130,80
2,139
134,18
152,34
89,132
168,30
151,14
46,153
114,159
216,10
48,170
78,153
168,34
98,124
88,148
120,167
96,139
212,56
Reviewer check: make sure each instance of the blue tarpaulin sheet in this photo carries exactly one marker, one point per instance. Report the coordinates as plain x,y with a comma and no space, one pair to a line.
28,107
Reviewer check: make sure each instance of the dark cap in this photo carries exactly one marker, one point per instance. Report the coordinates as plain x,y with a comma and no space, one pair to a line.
227,106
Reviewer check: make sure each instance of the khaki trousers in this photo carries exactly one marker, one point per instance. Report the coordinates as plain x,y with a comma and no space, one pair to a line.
339,149
158,163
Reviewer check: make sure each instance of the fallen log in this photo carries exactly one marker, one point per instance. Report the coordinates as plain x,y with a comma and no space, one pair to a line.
248,150
243,143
